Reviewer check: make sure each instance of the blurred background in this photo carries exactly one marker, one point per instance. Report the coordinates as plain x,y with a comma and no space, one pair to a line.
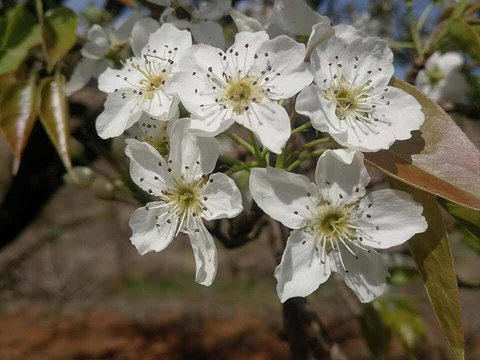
73,287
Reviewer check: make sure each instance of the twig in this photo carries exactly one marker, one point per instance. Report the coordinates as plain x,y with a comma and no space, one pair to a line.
303,327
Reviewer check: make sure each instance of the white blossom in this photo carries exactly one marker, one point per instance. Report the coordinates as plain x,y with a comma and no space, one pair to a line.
185,195
294,17
245,23
95,52
198,17
242,85
139,86
442,79
155,131
336,227
350,97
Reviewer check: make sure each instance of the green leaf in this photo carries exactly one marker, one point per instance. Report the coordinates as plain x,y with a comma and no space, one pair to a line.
54,115
401,276
59,33
465,38
19,113
433,256
376,334
400,316
439,158
468,218
22,32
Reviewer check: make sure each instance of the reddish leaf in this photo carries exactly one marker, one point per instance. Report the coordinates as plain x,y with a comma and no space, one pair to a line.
433,256
438,159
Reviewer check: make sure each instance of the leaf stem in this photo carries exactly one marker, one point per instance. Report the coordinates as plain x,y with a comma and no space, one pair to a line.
301,128
304,158
235,138
229,160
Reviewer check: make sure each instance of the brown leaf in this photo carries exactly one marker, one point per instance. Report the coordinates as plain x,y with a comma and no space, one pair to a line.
438,159
433,256
19,113
54,115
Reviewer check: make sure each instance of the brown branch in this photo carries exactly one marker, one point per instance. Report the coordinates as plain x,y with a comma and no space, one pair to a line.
414,69
303,328
241,230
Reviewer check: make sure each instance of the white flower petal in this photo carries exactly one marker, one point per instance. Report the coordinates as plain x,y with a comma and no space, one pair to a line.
169,15
304,266
274,30
456,87
291,72
190,154
141,33
119,114
394,213
347,33
148,169
245,23
204,251
270,123
296,16
375,62
245,43
396,115
85,70
123,33
213,123
97,45
208,32
158,104
224,199
112,79
446,62
311,102
320,33
212,10
284,196
169,35
151,231
366,275
341,175
398,112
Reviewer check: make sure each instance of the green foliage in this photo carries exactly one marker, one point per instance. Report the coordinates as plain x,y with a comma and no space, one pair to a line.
390,317
465,38
469,219
59,33
22,32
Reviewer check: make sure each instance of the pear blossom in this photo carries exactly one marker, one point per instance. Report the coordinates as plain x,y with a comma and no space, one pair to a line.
155,131
350,97
198,17
242,85
95,52
139,86
294,17
442,79
336,225
185,194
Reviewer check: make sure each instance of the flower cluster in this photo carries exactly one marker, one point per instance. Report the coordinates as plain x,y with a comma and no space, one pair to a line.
339,80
